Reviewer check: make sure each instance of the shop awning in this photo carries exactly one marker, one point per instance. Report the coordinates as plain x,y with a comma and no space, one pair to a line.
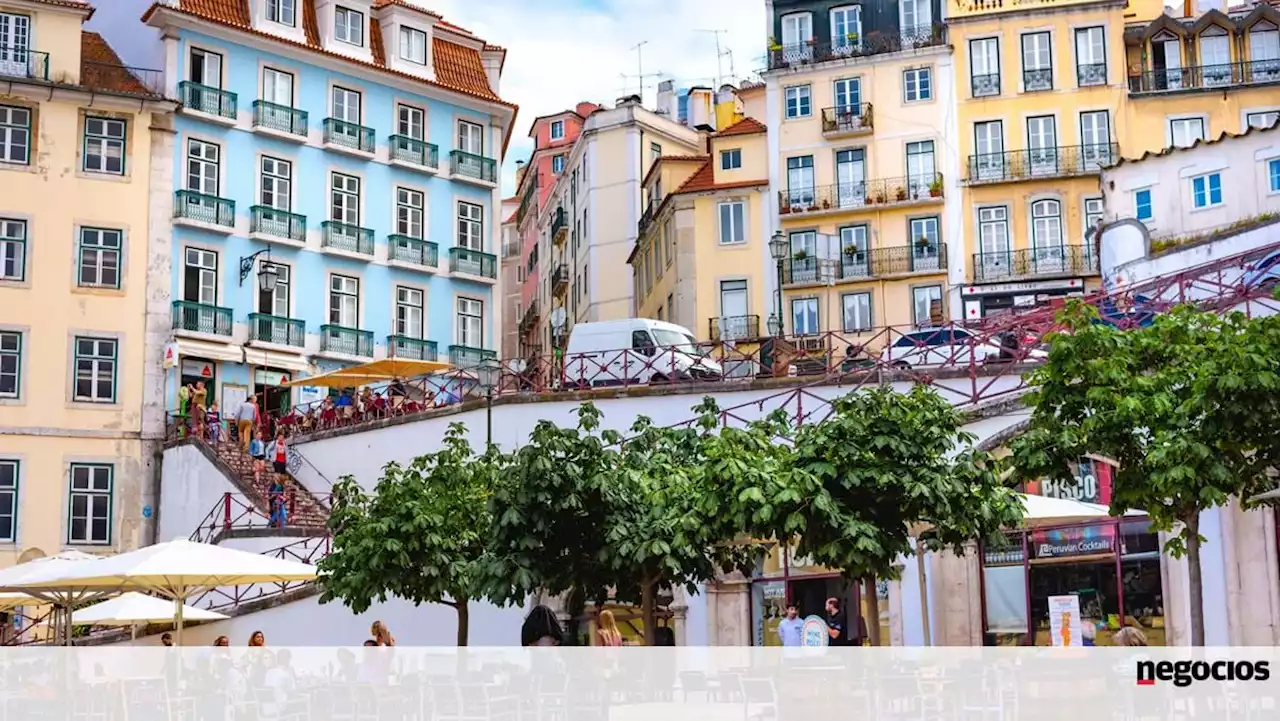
225,352
379,371
276,359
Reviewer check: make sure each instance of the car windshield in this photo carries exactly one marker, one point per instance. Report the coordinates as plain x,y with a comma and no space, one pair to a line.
674,339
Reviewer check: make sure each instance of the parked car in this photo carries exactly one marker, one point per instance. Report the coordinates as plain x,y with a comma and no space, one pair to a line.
1263,273
635,350
943,346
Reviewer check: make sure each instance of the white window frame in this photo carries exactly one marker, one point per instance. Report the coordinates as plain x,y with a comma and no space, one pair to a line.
731,159
557,163
862,305
411,324
801,96
101,366
411,51
732,227
204,156
101,250
206,266
470,226
1208,191
411,218
411,121
344,198
1188,123
275,182
342,18
283,12
468,322
470,137
806,303
911,75
1151,204
344,301
556,130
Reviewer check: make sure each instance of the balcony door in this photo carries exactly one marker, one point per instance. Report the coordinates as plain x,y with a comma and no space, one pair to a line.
1095,140
846,29
1264,52
1166,62
733,310
15,45
1215,56
797,31
994,259
1042,145
988,143
800,181
921,168
277,87
205,68
276,301
803,262
851,178
1048,254
200,277
854,262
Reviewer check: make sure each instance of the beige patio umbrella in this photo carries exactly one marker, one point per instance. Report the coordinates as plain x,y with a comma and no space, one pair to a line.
13,578
135,609
176,570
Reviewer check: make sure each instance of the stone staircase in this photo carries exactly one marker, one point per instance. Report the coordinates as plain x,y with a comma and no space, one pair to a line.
306,511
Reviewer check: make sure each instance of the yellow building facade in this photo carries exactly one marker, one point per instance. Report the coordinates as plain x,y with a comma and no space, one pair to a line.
77,444
699,258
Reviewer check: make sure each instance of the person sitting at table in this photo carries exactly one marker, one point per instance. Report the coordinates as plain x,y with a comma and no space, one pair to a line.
541,628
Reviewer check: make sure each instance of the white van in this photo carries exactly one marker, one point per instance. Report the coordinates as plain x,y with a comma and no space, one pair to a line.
634,351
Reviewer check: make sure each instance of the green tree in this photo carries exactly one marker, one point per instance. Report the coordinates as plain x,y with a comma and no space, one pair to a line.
1186,407
420,536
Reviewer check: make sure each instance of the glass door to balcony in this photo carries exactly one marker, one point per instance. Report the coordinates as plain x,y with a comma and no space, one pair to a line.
853,252
1048,256
988,141
846,30
1215,56
1166,63
921,168
1095,141
15,45
797,31
733,310
926,246
994,259
1264,52
800,181
1042,145
804,258
851,179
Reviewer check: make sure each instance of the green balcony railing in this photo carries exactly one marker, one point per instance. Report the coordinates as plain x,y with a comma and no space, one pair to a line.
277,223
403,346
414,250
349,135
206,99
266,328
473,262
201,318
282,118
414,151
344,236
462,356
470,165
18,61
190,205
350,341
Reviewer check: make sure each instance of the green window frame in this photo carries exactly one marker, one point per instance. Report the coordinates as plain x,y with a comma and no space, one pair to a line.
98,258
96,369
90,504
10,477
13,250
105,145
15,135
10,364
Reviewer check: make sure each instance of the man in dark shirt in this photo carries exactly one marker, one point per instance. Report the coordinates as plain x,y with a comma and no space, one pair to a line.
837,623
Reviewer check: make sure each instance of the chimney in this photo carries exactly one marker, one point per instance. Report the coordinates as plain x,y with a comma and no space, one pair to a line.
667,98
627,100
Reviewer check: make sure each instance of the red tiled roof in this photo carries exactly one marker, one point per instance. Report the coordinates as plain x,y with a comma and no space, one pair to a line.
746,126
705,179
671,158
69,4
101,68
406,6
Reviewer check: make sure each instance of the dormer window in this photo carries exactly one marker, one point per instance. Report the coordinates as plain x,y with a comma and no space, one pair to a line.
413,45
557,129
348,26
282,11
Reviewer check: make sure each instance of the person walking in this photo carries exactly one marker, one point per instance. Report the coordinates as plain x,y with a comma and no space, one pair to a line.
790,629
246,419
279,454
258,452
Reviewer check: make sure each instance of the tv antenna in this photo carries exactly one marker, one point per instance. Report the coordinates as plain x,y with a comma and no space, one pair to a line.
640,75
721,53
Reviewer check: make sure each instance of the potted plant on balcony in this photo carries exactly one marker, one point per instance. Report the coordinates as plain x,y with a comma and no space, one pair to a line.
900,194
774,45
922,245
800,254
935,188
826,204
784,210
878,197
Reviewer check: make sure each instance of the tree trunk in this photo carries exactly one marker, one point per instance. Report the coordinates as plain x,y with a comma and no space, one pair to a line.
648,612
1194,580
872,620
464,621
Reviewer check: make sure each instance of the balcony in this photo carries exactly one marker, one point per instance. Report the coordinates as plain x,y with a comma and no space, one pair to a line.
349,138
414,154
530,315
413,251
346,341
1205,77
1091,74
847,121
213,103
280,121
559,225
1057,162
646,218
403,346
204,211
193,317
473,262
984,86
1032,263
782,57
346,238
21,62
560,279
1037,80
271,225
471,167
461,356
867,195
277,330
855,264
735,327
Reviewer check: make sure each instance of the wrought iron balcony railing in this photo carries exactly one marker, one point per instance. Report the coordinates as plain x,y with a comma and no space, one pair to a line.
530,315
461,356
344,236
21,62
1091,74
559,279
1076,260
858,264
349,341
1055,162
277,223
280,118
559,223
415,152
266,328
848,119
869,193
734,327
473,262
417,251
981,86
1037,79
190,205
403,346
206,99
349,135
1200,77
854,46
646,218
470,165
201,318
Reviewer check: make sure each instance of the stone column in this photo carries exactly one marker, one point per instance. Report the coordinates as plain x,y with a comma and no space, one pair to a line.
729,611
157,317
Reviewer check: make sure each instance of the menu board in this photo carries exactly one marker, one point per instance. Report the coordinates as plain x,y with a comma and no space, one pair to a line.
1064,621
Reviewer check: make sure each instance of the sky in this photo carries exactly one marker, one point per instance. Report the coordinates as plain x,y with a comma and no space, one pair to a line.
559,52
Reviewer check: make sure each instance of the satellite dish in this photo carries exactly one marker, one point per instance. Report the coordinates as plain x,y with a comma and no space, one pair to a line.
557,318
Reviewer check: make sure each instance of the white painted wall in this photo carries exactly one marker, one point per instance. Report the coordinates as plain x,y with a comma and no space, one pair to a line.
190,486
1125,258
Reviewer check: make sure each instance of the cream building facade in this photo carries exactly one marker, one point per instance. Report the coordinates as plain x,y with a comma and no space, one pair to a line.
79,194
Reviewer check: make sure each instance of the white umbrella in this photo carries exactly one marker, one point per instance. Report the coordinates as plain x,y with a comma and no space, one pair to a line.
175,570
10,601
134,609
13,578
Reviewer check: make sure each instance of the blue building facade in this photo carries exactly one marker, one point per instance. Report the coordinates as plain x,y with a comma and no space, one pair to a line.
335,191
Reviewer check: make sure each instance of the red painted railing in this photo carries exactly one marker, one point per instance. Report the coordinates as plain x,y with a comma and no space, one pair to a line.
234,511
305,550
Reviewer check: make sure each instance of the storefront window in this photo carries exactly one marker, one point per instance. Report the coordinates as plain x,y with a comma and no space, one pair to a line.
1006,601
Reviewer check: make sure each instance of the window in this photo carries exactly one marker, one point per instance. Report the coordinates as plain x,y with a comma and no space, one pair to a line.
205,69
557,164
915,17
797,30
277,183
1215,56
413,45
409,206
1263,120
804,316
984,67
1091,57
411,122
409,312
344,301
921,167
800,180
200,276
846,27
10,364
470,323
95,360
557,129
733,222
281,11
655,151
1184,132
1273,175
15,37
104,142
926,228
857,312
15,135
348,26
1206,190
848,95
277,87
925,301
470,226
1095,138
89,506
346,105
203,167
8,500
993,240
917,84
733,309
344,199
1046,224
470,138
13,249
1142,205
1093,212
798,102
99,258
1037,62
277,301
731,159
988,143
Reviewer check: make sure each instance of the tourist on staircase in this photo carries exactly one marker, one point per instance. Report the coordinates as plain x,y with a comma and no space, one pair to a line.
258,452
247,420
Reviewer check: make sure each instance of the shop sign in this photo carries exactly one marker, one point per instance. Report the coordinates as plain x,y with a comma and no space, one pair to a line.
814,633
264,377
1092,484
197,368
1011,288
1079,541
170,355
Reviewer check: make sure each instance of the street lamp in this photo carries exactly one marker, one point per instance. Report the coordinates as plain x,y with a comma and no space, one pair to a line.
778,249
487,376
268,275
775,325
